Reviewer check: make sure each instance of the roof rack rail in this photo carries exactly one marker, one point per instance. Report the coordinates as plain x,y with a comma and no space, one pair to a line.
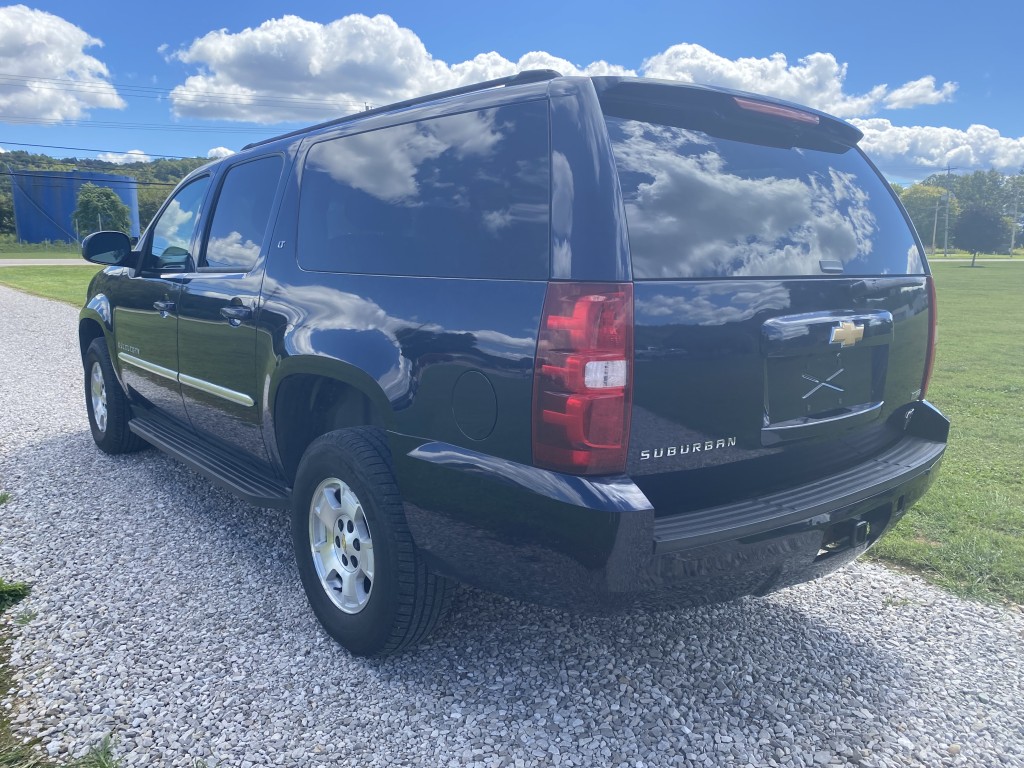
520,78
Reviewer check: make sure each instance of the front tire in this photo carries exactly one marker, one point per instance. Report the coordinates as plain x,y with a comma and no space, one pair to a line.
106,403
362,574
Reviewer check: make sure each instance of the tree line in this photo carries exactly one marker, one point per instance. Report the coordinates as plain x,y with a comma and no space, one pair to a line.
979,212
156,179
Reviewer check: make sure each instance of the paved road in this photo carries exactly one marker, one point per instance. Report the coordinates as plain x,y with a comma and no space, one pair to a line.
75,262
168,613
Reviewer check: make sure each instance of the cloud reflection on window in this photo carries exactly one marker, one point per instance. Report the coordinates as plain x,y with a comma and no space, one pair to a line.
174,230
232,251
463,195
388,170
698,206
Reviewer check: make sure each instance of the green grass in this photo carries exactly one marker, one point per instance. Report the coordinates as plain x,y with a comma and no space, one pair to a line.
967,533
11,593
10,248
67,284
955,254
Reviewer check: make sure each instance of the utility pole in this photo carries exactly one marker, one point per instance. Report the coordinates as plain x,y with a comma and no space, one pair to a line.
945,240
935,224
1016,221
1013,229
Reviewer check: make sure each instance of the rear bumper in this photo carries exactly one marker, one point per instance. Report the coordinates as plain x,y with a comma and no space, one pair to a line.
596,544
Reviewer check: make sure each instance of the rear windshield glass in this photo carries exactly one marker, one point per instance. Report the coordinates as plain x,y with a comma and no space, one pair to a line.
700,206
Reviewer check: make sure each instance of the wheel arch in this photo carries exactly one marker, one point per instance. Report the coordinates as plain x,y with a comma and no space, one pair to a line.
310,397
94,321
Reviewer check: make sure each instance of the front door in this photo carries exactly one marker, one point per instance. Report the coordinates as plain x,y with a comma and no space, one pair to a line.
146,315
219,305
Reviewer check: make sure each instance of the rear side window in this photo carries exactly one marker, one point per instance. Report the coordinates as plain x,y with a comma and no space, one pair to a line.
241,215
457,196
700,206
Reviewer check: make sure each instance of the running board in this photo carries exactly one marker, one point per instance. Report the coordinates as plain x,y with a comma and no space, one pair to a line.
230,473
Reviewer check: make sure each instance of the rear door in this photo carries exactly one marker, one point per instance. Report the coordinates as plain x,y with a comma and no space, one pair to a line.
781,297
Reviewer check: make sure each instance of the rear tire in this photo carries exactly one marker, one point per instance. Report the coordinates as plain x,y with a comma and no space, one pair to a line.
107,404
362,574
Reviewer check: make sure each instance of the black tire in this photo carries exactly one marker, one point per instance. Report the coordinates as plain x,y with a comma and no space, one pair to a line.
110,433
406,600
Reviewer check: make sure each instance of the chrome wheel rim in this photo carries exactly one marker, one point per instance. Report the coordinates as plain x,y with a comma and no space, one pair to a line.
98,395
339,538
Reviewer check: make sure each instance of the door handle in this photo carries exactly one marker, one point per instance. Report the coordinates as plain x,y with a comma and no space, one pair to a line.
164,307
235,314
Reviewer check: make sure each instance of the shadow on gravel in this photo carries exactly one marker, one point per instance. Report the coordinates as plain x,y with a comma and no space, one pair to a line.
756,665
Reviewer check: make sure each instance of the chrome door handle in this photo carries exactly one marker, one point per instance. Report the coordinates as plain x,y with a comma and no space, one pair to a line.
236,314
164,307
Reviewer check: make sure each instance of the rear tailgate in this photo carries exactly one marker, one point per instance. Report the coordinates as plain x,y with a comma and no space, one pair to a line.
781,298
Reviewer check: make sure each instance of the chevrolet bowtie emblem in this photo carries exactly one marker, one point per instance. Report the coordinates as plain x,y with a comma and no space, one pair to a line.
846,334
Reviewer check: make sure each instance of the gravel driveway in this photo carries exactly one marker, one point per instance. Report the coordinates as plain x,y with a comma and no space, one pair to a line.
170,614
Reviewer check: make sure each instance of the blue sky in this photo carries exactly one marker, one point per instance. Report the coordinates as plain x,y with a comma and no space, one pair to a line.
184,78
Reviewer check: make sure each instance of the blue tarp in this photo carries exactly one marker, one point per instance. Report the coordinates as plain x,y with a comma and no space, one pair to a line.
44,202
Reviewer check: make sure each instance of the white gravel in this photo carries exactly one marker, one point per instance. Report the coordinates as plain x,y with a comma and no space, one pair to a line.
168,613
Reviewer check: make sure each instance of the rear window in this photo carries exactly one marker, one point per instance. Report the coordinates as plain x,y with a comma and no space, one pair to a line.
701,206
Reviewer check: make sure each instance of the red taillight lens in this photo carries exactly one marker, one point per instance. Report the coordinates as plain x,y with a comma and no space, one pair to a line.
582,384
776,110
933,329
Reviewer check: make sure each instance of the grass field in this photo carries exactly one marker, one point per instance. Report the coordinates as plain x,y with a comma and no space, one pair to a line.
968,532
12,249
66,284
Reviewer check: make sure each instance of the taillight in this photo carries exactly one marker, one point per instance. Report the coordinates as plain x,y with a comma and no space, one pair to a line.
583,380
776,110
933,329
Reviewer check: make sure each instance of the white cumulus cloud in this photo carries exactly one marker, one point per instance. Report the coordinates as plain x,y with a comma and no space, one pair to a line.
37,47
817,80
934,146
918,92
294,69
121,158
216,153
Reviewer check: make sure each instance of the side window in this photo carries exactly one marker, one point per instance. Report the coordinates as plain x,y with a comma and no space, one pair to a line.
241,215
457,196
172,233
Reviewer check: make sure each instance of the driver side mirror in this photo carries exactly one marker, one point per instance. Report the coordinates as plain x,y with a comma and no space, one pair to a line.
111,249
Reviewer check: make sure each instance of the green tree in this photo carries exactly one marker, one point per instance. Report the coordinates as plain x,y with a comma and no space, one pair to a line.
99,208
151,197
926,205
6,212
982,230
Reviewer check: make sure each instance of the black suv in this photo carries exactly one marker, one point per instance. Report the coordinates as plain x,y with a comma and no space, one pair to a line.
590,342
